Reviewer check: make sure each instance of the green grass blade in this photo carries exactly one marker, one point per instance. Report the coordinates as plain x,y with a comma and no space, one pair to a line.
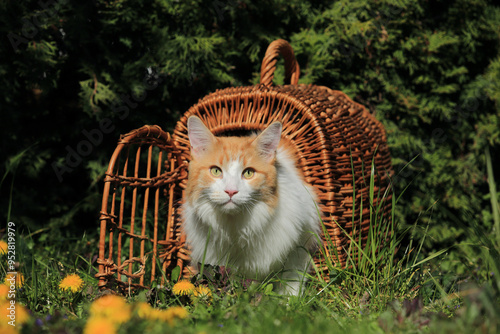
202,267
493,195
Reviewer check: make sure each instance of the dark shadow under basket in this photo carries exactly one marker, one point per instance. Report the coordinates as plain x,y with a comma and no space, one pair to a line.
334,138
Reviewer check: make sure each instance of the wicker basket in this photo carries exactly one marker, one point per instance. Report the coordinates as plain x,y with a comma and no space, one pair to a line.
333,137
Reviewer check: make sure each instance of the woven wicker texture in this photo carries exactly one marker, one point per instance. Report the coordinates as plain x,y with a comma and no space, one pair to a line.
334,138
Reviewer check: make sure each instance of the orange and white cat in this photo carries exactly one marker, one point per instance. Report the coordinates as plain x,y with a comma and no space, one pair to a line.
247,206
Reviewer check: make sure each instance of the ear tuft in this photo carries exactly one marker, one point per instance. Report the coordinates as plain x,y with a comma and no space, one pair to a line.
267,142
200,136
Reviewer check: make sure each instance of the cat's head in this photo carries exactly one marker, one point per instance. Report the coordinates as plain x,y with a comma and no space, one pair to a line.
232,174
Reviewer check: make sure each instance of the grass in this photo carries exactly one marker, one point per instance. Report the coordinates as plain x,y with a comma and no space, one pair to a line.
394,287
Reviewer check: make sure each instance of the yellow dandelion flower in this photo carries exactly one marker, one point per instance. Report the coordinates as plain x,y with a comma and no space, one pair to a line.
203,292
17,278
4,292
7,308
3,247
164,315
178,312
157,314
99,325
144,310
161,315
8,329
22,315
171,314
183,288
71,282
112,307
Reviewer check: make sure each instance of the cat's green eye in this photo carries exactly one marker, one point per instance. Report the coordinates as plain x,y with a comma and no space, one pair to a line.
248,173
215,171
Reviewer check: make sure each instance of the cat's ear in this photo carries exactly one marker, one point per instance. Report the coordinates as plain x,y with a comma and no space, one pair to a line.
200,136
267,142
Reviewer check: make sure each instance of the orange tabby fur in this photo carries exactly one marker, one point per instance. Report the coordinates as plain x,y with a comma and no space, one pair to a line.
227,149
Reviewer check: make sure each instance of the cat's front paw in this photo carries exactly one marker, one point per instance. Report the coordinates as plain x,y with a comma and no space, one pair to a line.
290,288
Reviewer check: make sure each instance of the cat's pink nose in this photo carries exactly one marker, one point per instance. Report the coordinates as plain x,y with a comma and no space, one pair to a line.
231,193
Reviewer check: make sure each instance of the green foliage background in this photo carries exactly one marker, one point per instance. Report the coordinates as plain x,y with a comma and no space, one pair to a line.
429,70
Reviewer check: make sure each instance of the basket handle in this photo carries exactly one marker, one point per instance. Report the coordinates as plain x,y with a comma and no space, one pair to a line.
292,69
